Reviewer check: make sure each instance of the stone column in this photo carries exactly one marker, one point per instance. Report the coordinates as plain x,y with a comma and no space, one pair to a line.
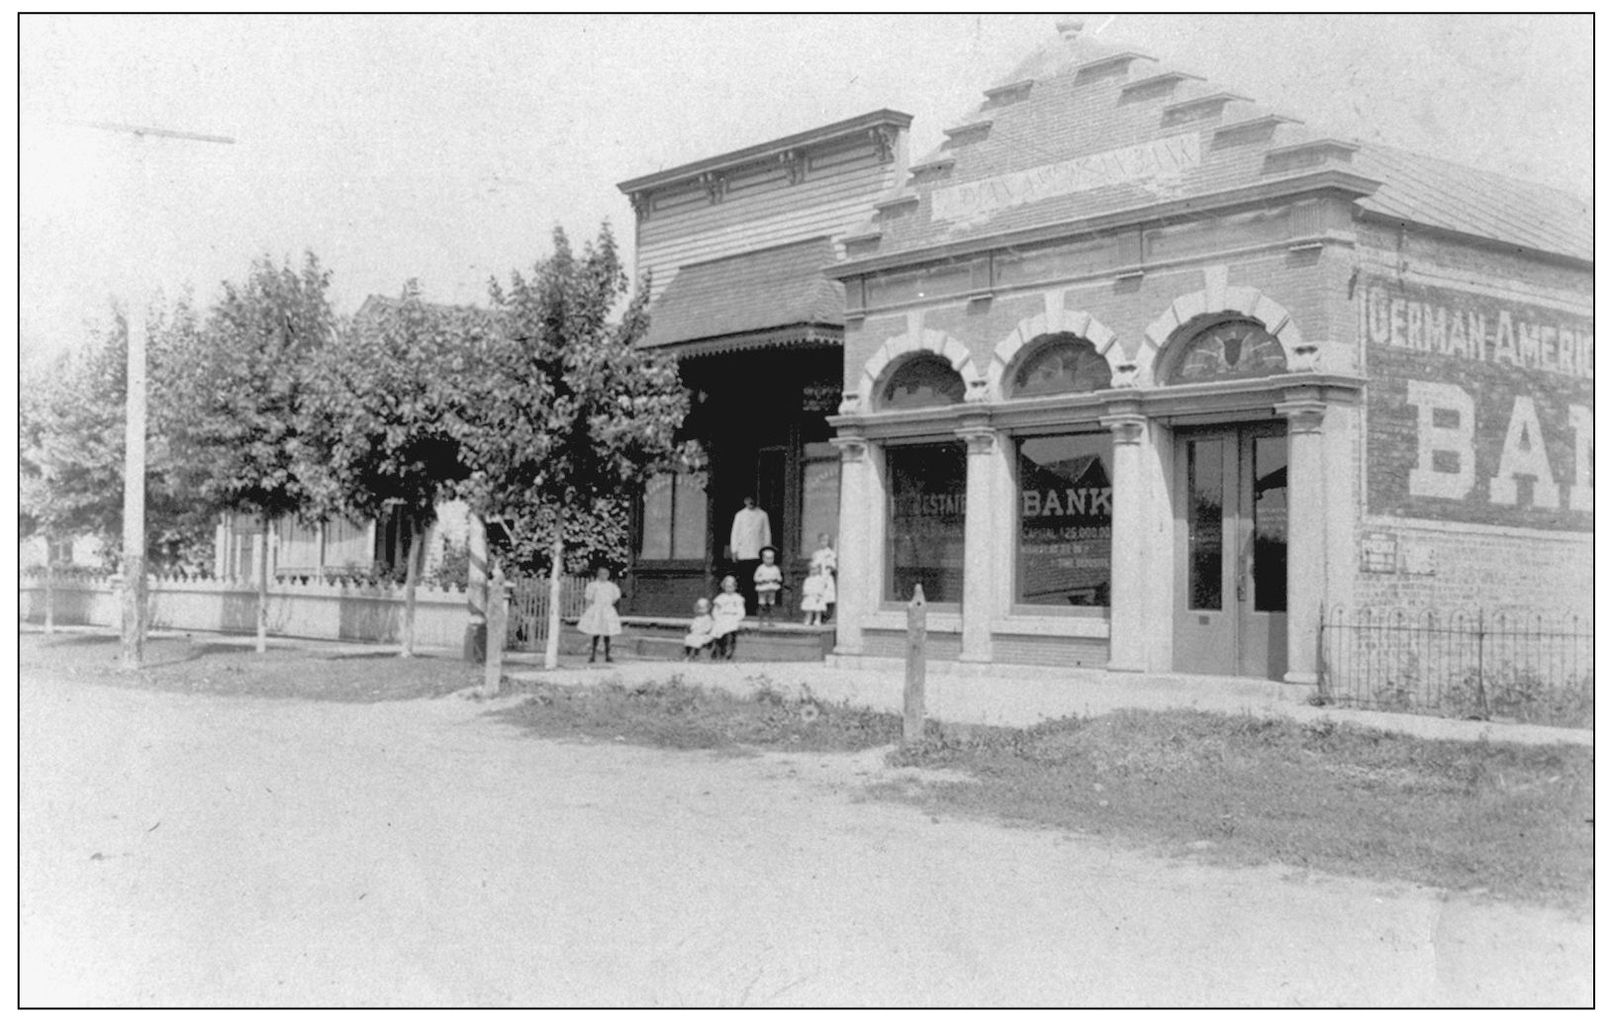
853,547
976,602
1308,537
1129,640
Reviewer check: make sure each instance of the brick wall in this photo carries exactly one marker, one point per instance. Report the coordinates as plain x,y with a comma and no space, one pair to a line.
1482,567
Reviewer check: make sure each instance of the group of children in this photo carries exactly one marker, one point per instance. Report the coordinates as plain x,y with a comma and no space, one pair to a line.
717,621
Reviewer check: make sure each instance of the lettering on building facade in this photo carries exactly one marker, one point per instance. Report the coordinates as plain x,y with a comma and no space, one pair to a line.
1479,408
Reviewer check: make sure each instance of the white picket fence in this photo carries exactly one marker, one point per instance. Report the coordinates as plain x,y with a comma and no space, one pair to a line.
349,610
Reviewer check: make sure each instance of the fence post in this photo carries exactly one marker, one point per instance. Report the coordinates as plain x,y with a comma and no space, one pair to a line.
498,612
1480,661
914,674
1323,681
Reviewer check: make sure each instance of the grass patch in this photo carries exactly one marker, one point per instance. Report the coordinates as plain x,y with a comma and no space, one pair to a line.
181,665
1513,821
677,715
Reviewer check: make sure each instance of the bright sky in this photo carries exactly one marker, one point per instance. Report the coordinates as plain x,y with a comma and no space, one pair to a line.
447,148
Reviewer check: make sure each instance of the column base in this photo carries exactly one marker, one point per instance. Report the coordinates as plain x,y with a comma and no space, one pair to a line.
1300,678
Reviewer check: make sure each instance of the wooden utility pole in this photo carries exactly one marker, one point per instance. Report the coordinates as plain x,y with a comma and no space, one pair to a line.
914,673
134,438
134,497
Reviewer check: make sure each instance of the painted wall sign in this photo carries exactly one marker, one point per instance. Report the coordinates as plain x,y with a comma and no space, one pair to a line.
1479,408
1157,166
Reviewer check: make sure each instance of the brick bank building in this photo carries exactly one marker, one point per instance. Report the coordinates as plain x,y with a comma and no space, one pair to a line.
1132,373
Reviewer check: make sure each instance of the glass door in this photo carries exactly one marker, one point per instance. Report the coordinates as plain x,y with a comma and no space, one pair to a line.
1232,551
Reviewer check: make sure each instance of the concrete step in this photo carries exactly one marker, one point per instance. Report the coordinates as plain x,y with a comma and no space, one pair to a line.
663,640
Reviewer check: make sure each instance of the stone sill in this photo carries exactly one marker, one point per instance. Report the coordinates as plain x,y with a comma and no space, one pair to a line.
1081,627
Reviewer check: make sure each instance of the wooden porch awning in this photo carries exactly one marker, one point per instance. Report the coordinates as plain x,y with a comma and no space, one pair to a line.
776,297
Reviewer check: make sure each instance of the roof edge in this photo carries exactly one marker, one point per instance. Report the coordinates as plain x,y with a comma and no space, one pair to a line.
1355,184
815,136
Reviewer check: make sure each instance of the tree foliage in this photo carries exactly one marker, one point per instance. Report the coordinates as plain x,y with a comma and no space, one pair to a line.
569,412
380,413
71,448
235,407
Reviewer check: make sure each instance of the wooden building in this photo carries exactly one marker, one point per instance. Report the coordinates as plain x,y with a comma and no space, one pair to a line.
738,247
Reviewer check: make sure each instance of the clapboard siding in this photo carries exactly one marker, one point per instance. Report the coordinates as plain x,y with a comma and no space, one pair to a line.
762,218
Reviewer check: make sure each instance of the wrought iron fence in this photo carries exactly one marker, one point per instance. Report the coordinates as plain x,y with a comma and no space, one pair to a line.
530,609
1465,663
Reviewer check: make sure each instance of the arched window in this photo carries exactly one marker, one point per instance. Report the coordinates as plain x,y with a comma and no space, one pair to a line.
925,380
1058,364
1235,348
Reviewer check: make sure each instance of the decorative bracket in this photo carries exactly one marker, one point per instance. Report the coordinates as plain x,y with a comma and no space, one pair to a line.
717,185
885,138
640,200
795,162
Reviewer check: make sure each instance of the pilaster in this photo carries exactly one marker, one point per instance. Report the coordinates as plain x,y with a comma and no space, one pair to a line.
1129,636
853,550
1309,529
976,602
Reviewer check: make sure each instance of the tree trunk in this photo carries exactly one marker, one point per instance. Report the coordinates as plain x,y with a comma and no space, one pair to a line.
552,641
417,545
263,589
50,590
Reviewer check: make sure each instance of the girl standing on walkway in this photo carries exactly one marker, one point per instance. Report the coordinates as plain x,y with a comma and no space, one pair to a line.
599,618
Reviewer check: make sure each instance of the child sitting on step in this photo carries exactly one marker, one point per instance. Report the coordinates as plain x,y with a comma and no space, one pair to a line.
728,610
700,634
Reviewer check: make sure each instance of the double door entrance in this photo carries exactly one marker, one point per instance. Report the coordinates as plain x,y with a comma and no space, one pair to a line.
1232,550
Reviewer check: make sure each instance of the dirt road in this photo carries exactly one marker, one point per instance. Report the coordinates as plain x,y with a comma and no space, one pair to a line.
192,850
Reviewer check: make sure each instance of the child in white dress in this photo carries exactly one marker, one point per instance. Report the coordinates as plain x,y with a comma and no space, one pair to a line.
599,618
728,610
819,589
700,634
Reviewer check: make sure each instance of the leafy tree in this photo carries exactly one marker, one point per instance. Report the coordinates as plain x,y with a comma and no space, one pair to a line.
569,411
235,405
71,449
379,418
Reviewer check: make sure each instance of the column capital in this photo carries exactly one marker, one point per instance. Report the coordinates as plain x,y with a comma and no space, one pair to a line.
853,447
1126,421
978,438
1305,409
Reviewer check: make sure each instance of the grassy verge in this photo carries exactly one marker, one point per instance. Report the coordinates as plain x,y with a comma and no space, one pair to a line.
1512,821
675,715
308,672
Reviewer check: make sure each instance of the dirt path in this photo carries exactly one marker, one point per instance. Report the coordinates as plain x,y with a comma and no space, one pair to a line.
192,850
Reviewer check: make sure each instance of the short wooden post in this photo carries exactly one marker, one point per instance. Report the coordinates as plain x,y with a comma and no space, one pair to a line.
914,675
498,613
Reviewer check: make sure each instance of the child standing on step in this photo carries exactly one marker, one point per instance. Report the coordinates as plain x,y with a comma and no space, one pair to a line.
767,580
822,566
599,618
700,634
728,610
